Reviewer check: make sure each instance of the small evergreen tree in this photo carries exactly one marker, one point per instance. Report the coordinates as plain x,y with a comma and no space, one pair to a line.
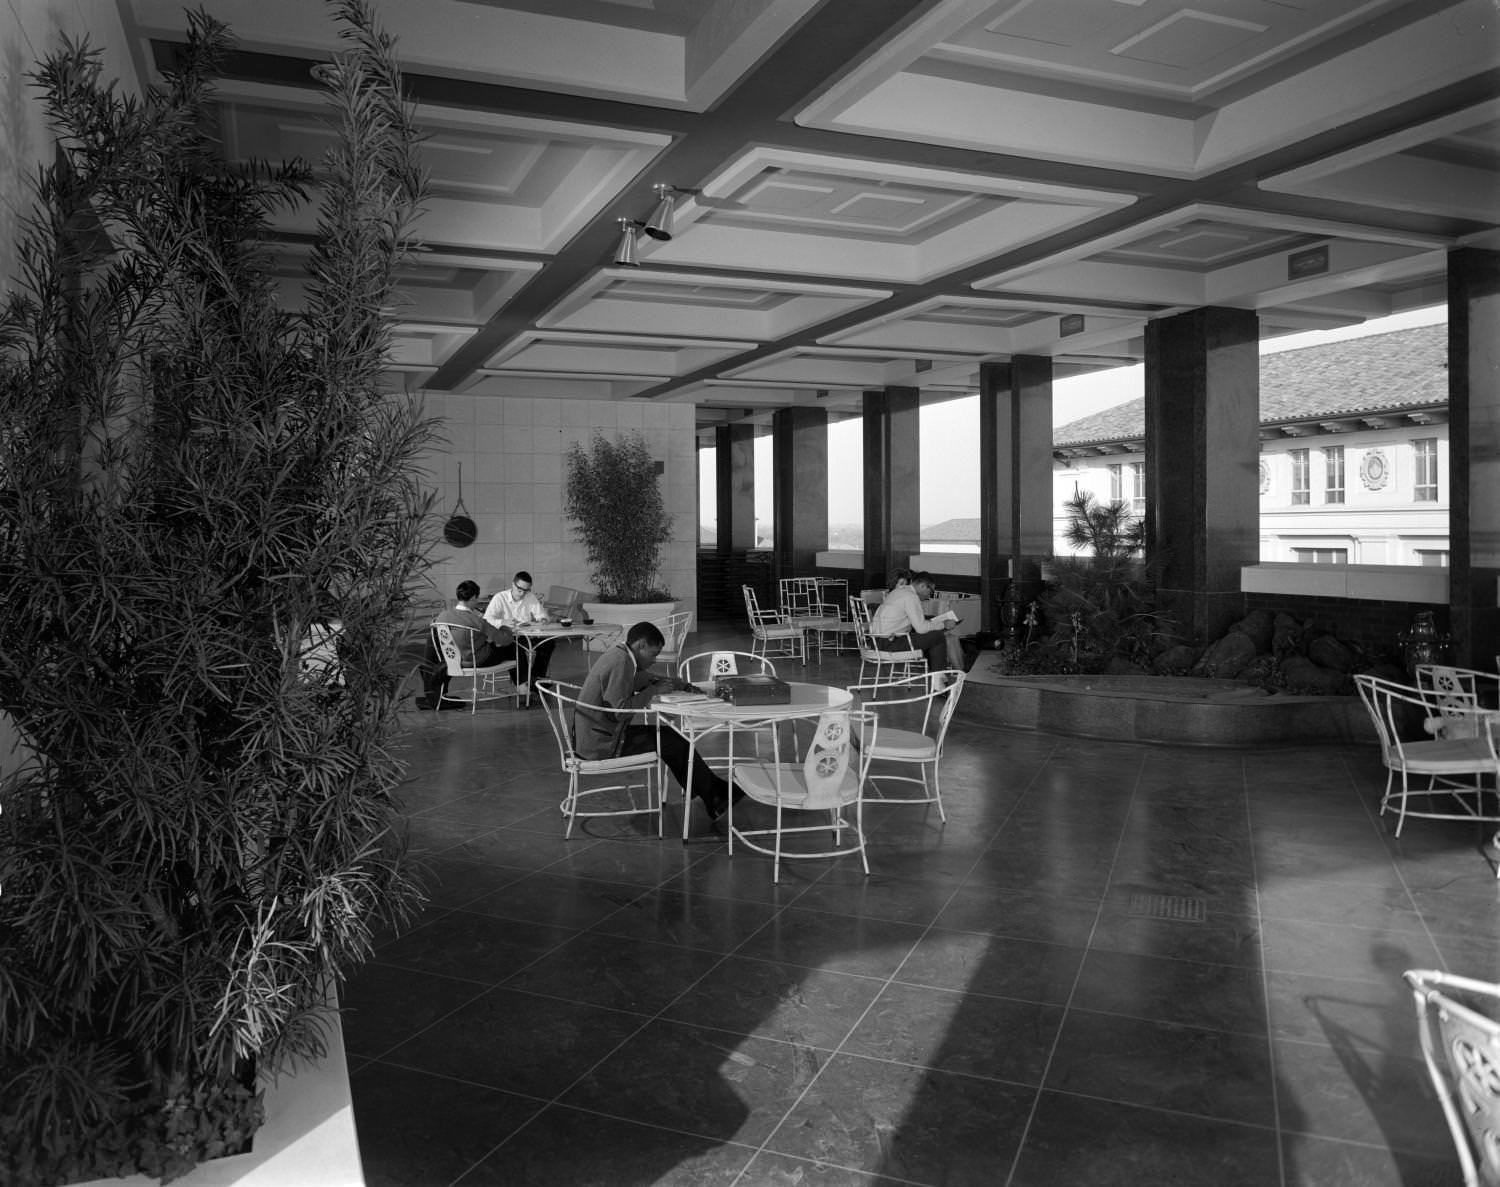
195,487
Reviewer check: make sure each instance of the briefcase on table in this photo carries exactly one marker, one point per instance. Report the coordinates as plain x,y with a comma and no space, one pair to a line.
753,690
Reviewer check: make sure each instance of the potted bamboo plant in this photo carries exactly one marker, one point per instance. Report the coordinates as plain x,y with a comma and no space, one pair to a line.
196,487
613,497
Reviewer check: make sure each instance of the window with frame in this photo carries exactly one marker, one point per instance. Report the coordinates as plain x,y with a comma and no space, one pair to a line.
1117,483
1333,472
1137,488
1424,451
1432,558
1300,490
1321,556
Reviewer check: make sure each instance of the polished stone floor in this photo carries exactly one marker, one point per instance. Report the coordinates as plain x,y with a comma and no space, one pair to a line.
1115,964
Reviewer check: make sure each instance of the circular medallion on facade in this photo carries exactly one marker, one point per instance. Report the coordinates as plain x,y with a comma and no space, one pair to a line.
1374,470
1265,477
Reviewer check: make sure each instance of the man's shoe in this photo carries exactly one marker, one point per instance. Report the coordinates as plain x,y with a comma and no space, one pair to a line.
423,703
700,818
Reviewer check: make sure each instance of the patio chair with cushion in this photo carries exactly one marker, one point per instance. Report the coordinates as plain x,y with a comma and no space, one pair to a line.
631,783
829,777
457,647
1459,772
914,715
772,633
886,664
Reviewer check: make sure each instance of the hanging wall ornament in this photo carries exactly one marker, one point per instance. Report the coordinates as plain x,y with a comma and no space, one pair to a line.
460,531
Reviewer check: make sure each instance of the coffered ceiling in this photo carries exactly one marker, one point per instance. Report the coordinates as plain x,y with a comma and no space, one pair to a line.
889,191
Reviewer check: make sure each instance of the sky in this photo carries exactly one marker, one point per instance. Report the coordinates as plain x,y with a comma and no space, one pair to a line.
950,458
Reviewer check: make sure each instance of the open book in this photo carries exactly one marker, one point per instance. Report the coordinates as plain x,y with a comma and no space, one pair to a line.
946,616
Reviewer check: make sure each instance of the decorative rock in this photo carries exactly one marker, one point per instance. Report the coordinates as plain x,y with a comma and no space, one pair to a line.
1226,658
1328,652
1299,674
1258,626
1175,661
1259,670
1286,636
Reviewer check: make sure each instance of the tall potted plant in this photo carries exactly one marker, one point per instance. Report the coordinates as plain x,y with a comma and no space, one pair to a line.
613,497
196,486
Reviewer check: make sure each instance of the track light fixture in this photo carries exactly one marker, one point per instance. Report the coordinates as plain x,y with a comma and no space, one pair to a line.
659,225
625,252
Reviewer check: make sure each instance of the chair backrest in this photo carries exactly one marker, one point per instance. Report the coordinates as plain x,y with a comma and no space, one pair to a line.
674,630
1454,695
563,602
557,697
1461,1046
935,694
456,645
825,768
714,665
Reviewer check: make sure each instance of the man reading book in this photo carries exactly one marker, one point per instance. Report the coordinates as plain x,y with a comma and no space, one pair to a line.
900,617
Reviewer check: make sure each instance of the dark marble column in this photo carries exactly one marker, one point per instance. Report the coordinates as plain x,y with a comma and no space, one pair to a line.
892,480
801,488
1202,454
734,447
1015,476
1474,456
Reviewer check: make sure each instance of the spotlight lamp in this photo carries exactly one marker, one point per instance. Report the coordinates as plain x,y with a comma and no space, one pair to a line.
625,252
659,225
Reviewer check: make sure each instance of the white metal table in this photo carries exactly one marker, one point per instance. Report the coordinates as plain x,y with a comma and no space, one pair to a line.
531,636
697,719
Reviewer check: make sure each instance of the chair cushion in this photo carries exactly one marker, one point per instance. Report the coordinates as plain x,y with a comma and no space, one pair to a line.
906,745
758,781
1448,756
625,762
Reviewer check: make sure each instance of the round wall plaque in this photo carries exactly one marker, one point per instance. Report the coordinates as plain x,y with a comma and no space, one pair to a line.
1375,470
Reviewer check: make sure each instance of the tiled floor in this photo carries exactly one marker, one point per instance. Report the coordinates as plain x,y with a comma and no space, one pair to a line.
1000,1002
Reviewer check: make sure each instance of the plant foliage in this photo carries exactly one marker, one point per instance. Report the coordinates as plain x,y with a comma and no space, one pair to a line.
614,499
1100,605
195,485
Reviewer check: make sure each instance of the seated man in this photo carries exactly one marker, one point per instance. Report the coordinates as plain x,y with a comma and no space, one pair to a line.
901,616
620,679
492,644
516,606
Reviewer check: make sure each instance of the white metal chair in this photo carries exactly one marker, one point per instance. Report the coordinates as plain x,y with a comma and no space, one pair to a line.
1455,769
458,647
829,778
822,625
707,667
925,703
624,774
1461,1046
887,665
772,634
674,630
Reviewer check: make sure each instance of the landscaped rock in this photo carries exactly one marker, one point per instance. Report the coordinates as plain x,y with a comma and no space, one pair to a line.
1226,658
1259,670
1259,626
1300,674
1175,661
1328,652
1286,636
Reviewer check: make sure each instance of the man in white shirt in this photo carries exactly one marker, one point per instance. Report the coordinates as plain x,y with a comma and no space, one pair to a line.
518,605
901,616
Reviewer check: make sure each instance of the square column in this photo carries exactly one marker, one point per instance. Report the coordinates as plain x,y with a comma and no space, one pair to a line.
1015,476
801,488
1474,455
734,483
1202,455
892,460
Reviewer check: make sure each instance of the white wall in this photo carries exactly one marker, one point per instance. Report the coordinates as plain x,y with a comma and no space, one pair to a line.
511,450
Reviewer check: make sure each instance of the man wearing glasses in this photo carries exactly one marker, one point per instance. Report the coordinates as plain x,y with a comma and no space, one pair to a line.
518,605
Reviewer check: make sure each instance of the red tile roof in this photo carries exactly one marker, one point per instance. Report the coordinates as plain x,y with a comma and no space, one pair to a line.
1379,373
